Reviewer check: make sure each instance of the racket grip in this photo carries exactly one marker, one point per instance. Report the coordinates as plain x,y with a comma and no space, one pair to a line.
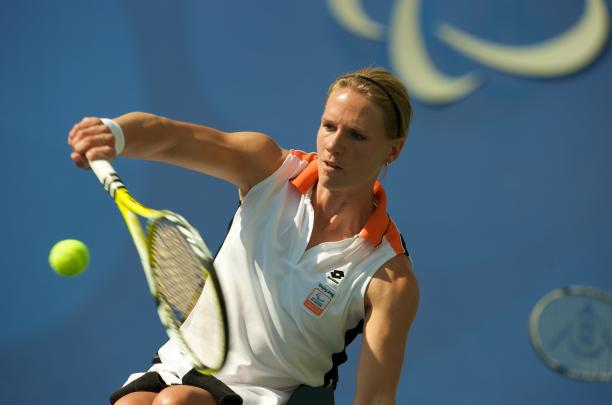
106,174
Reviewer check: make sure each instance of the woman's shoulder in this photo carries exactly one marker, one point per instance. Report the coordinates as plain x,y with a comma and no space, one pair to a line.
394,286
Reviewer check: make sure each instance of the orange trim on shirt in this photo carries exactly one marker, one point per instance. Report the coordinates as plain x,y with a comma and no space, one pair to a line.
378,225
394,239
309,157
309,175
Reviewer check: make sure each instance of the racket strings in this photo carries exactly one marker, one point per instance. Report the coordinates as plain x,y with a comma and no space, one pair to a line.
181,263
179,271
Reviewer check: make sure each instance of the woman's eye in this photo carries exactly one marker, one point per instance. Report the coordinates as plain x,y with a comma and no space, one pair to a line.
328,127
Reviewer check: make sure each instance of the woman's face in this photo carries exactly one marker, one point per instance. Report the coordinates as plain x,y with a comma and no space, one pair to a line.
352,142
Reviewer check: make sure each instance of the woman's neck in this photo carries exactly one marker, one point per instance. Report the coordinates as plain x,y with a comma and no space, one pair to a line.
341,214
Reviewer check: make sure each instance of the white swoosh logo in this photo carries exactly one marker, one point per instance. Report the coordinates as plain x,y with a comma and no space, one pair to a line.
570,51
564,54
411,61
351,15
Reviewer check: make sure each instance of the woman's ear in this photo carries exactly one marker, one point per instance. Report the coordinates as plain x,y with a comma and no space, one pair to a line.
395,150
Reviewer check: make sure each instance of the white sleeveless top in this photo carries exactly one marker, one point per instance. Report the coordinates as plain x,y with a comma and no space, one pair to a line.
289,308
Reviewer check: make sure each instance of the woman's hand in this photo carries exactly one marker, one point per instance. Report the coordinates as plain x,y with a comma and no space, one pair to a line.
90,139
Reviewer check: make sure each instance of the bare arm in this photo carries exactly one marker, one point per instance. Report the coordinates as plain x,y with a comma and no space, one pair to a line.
241,158
391,303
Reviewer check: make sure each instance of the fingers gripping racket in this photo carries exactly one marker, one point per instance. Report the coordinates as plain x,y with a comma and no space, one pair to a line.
179,270
570,329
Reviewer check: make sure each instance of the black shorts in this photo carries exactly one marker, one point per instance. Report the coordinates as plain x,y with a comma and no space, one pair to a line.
152,382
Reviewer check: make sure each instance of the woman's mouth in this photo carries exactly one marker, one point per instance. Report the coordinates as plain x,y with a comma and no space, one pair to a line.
332,165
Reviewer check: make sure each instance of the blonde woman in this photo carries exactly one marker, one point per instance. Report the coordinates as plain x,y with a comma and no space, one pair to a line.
311,259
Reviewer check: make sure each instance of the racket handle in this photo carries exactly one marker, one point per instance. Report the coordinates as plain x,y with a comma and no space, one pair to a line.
106,174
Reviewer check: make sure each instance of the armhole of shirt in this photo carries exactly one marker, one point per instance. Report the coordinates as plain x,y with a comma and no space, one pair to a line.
392,245
288,169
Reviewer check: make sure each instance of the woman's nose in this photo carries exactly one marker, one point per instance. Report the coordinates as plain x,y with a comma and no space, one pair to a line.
335,142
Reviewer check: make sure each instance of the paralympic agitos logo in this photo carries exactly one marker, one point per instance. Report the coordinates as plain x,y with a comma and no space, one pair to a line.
572,50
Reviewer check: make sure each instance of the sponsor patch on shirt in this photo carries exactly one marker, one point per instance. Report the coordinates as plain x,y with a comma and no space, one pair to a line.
319,298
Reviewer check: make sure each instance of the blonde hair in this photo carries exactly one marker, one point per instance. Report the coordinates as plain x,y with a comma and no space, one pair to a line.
385,90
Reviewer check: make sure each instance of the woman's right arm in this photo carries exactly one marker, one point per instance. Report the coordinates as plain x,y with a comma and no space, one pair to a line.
241,158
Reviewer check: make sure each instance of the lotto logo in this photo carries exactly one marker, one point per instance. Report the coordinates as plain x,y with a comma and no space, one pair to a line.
335,276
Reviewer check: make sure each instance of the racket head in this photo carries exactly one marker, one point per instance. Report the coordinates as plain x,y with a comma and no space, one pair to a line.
184,277
570,329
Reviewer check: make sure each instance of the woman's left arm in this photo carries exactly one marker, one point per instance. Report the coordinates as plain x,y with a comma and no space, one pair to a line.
391,302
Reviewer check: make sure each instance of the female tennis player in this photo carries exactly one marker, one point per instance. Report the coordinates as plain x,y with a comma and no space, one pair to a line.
311,259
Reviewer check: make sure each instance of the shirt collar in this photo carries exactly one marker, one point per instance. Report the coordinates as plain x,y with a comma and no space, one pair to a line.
378,223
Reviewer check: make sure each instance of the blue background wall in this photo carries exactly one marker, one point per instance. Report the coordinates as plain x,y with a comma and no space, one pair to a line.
502,195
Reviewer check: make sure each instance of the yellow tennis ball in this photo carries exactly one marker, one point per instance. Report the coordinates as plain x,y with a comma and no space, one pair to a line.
69,257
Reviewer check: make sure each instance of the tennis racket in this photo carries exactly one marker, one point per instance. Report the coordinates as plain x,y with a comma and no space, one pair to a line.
179,270
570,329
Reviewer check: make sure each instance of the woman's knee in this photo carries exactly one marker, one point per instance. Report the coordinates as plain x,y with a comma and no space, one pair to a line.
137,398
184,395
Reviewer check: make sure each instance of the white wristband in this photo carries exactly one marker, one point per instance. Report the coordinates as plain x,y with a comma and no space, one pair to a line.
117,133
